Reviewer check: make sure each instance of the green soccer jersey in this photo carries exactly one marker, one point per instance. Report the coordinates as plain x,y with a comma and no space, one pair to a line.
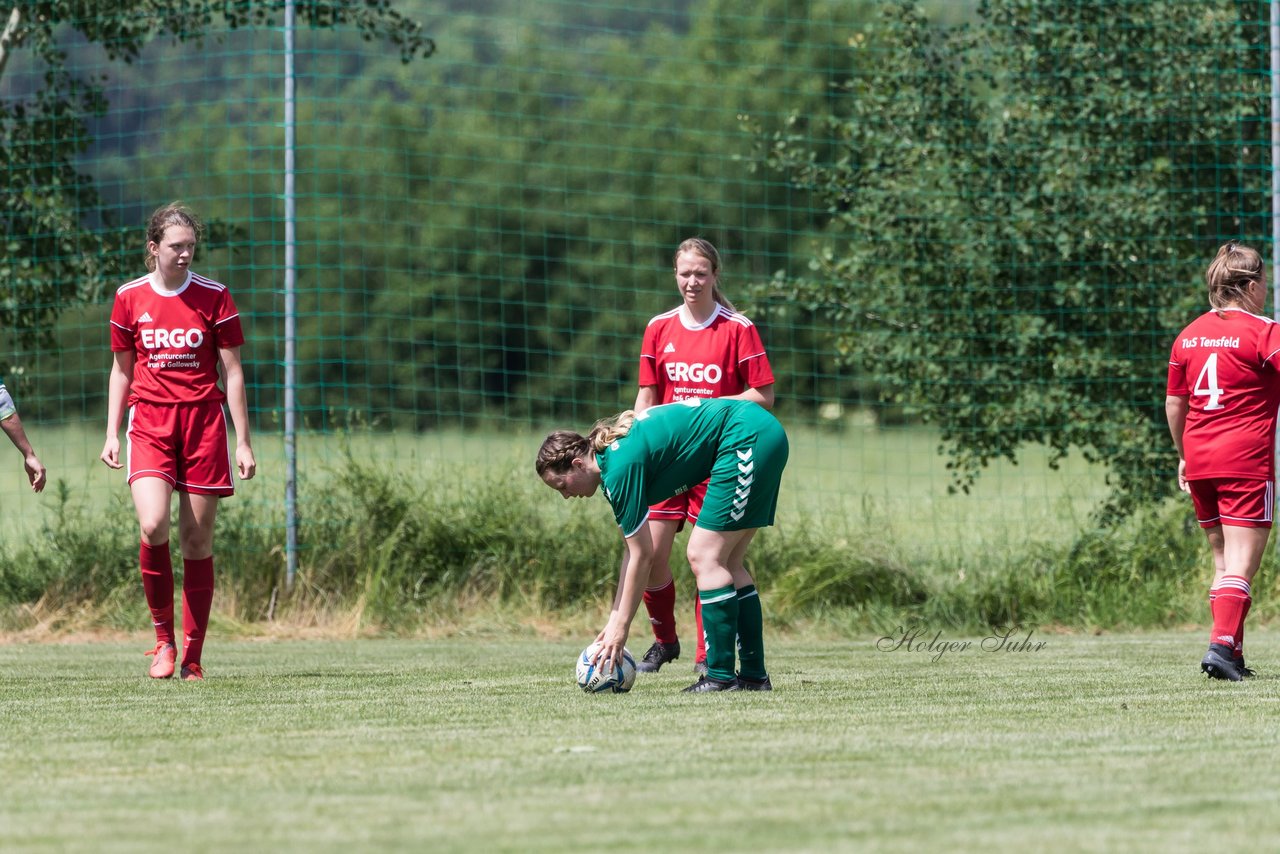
736,444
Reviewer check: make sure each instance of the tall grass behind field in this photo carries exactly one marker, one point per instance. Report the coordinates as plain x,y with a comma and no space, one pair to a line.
895,485
892,482
405,533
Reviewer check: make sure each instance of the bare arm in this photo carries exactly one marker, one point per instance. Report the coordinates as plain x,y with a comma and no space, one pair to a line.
646,397
762,395
6,37
36,474
1175,411
238,405
118,384
633,575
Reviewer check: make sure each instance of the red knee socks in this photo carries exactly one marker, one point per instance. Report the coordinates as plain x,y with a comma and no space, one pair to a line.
157,586
660,602
1229,601
197,599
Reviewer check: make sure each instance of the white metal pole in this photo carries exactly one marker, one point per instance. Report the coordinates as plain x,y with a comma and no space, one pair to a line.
1275,158
290,310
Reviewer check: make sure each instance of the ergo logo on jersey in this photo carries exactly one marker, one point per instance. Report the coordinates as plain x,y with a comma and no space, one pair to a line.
695,373
161,339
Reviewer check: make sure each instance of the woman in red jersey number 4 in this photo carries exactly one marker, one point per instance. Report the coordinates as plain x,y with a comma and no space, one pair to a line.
1224,387
702,348
172,332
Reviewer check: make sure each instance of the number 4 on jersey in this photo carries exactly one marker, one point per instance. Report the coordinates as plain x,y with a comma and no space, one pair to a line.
1209,374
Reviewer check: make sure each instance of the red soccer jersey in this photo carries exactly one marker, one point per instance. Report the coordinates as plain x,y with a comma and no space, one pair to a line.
1229,369
720,357
175,336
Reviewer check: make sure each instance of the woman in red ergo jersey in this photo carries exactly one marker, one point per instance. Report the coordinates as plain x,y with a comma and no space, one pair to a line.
172,332
1224,387
701,348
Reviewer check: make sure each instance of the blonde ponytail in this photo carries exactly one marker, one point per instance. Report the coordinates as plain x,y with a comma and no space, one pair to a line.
562,447
608,430
1232,270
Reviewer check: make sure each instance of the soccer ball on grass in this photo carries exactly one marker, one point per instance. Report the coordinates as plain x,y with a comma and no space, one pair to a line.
594,679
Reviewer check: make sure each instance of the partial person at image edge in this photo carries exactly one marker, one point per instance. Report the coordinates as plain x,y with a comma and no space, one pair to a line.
1221,403
11,423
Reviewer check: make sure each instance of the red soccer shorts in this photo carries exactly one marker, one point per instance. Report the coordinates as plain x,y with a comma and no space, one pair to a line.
686,505
1232,501
184,443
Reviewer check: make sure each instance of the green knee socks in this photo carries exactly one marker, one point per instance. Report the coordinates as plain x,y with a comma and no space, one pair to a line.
733,618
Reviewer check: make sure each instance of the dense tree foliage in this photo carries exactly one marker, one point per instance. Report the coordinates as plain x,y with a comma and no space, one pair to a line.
1020,213
60,243
1010,217
486,234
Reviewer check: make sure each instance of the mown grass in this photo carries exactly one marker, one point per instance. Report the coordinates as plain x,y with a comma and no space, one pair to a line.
409,535
1087,743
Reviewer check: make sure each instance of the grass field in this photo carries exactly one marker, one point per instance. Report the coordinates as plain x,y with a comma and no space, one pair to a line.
1106,743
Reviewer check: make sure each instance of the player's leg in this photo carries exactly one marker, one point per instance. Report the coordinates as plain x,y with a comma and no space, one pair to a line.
742,495
196,517
1217,662
1232,595
151,467
1236,517
1217,550
759,456
696,496
710,556
700,648
752,675
1258,501
151,500
204,475
660,596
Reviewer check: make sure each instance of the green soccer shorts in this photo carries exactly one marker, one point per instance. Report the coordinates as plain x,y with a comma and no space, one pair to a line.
743,490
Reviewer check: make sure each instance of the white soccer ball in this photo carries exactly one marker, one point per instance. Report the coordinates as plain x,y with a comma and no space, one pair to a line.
595,680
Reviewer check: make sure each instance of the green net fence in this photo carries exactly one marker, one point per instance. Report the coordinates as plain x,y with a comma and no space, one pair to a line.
967,232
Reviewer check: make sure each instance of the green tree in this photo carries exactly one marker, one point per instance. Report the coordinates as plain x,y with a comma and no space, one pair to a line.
557,178
490,237
1020,211
60,244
